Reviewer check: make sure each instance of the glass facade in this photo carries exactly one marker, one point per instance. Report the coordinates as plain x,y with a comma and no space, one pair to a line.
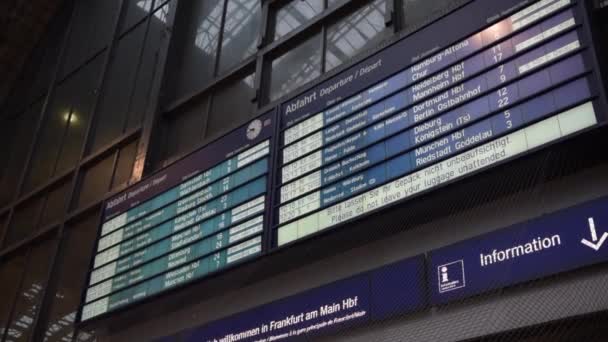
119,89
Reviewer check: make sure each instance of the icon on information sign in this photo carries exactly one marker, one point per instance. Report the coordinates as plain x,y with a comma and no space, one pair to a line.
594,244
451,276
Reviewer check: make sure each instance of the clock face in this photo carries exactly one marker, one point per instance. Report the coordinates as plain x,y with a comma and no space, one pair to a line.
254,129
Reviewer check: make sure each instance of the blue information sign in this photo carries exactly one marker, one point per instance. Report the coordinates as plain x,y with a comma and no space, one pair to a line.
378,294
560,242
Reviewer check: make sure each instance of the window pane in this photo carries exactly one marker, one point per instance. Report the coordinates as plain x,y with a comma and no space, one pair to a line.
35,76
120,80
10,273
51,134
293,14
54,40
192,64
22,138
184,130
136,10
359,31
296,67
91,31
84,90
30,293
148,73
231,107
18,135
70,274
124,166
95,182
7,125
55,206
241,29
24,221
419,12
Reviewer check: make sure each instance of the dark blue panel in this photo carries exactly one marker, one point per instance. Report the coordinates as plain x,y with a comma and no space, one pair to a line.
556,20
399,166
398,288
562,41
394,104
538,107
567,68
535,83
397,144
526,35
398,81
375,133
572,93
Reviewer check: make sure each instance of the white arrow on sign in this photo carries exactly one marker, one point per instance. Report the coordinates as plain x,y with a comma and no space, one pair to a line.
596,245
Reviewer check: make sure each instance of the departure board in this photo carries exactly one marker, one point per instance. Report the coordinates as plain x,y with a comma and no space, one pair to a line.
523,82
490,82
200,215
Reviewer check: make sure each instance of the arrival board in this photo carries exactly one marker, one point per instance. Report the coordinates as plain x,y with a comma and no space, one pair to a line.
523,82
200,215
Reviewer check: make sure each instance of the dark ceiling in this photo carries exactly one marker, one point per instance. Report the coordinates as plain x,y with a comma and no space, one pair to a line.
22,23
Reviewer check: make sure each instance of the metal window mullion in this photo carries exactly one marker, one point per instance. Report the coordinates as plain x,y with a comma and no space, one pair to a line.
389,16
117,154
266,22
398,15
63,139
205,128
323,48
150,118
4,233
218,53
263,38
